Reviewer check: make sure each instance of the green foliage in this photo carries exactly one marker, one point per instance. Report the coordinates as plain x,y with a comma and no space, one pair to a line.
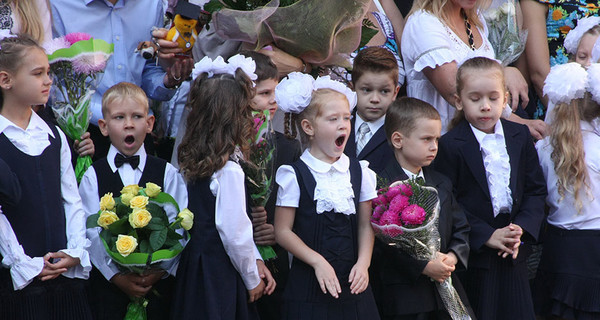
368,31
92,221
158,238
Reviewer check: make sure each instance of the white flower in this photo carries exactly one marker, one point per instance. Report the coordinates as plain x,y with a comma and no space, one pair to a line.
491,14
245,63
508,8
327,83
566,82
294,93
594,81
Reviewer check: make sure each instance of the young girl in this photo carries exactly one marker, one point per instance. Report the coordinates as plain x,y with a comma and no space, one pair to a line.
220,266
47,222
567,279
324,207
496,176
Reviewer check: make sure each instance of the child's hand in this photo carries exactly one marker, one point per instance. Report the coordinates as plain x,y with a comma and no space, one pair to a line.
517,242
359,278
506,240
85,146
438,270
327,278
149,278
265,274
449,258
264,235
62,264
257,292
131,284
259,216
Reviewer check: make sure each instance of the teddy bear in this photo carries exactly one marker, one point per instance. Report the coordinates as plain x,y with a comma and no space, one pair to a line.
183,32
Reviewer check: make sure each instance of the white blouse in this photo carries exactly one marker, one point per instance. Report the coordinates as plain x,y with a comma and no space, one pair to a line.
333,190
428,42
33,141
563,212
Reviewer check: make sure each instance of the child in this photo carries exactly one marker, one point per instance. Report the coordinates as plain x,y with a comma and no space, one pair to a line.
494,169
375,80
580,40
286,151
47,221
413,127
570,157
219,274
126,122
324,207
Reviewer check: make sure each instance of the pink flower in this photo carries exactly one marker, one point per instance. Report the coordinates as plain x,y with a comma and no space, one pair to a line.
89,63
413,215
77,36
380,200
393,192
392,232
389,217
57,43
377,212
399,203
406,190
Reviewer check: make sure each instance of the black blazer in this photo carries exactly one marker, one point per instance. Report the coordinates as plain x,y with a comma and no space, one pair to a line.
459,158
377,151
399,275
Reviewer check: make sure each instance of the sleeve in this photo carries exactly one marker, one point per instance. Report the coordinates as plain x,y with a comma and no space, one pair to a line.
398,260
58,27
77,243
288,194
176,187
10,188
233,223
426,42
368,190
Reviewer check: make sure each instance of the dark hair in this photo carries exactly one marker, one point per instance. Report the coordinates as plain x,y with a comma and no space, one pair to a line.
403,113
265,68
477,63
12,51
375,59
219,120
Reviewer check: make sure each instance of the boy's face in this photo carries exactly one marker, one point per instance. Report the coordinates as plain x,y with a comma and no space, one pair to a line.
419,147
375,92
265,96
126,122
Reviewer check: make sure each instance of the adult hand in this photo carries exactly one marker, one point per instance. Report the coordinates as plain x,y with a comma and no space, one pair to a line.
166,49
517,87
178,72
285,62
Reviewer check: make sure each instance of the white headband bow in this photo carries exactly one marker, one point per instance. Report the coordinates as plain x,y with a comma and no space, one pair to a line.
570,81
574,36
219,66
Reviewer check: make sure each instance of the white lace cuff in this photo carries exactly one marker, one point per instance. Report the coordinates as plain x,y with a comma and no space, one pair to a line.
81,271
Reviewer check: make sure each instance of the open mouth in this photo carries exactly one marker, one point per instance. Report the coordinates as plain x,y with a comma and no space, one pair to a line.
340,140
129,139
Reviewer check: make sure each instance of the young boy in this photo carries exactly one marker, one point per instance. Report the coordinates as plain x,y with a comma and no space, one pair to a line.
403,284
375,80
286,152
126,122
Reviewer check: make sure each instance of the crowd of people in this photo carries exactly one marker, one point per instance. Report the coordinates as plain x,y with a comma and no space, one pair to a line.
511,149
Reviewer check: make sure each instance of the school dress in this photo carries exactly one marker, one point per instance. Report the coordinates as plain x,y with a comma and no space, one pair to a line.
216,269
333,235
106,300
47,218
567,284
498,288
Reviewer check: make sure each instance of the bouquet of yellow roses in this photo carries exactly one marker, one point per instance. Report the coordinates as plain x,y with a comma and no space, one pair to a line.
137,234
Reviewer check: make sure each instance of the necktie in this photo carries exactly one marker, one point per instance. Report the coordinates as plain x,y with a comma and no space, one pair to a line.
120,159
363,130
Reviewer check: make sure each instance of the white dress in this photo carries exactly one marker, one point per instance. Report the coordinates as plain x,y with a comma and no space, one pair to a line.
428,42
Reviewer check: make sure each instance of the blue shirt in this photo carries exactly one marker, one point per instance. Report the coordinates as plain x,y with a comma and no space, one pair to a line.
124,24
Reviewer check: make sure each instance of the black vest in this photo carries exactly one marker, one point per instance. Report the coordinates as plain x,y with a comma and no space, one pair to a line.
109,181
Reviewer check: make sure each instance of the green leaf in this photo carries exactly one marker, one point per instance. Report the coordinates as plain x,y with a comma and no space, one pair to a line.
213,5
122,210
165,198
156,224
178,246
145,246
171,234
157,211
92,221
170,242
158,238
120,226
368,31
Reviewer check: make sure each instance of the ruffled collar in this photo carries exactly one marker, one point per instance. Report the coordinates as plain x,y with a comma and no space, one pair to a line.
341,165
480,135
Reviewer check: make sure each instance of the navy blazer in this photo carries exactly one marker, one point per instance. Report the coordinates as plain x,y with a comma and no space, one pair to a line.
398,275
459,157
10,188
377,151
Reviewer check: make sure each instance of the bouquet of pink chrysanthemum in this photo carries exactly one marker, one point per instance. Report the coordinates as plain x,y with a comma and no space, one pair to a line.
76,61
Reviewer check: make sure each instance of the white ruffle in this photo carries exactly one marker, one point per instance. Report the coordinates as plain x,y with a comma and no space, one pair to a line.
433,58
574,36
594,81
79,251
497,165
334,192
566,82
596,51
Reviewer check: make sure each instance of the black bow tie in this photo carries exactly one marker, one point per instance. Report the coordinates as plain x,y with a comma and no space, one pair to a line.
120,159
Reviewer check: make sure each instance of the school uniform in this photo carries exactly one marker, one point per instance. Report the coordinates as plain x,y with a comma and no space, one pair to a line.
497,287
402,291
48,217
10,189
376,151
106,299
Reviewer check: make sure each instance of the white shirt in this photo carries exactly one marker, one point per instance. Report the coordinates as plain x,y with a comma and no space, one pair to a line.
233,223
173,184
563,211
497,167
33,141
373,127
411,175
333,190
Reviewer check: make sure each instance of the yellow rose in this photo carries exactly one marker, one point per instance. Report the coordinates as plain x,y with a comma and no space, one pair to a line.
138,202
126,198
107,202
152,190
139,218
187,219
106,218
126,244
133,189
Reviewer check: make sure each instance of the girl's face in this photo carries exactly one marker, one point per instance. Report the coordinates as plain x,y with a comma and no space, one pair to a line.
265,96
482,98
31,82
583,56
329,130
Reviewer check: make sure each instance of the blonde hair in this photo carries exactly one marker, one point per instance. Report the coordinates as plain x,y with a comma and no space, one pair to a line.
314,109
30,18
566,139
124,90
436,7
